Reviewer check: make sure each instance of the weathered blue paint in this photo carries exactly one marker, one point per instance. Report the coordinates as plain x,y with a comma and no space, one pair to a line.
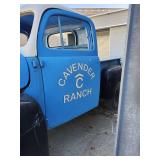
63,98
56,62
24,72
58,109
35,88
46,52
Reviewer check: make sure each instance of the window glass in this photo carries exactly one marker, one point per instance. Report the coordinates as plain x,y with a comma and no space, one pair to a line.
77,36
66,32
26,22
69,39
52,33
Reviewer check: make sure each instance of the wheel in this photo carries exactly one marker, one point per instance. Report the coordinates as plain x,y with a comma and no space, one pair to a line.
33,130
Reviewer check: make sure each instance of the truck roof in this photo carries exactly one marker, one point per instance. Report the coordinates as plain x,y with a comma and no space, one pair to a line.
29,50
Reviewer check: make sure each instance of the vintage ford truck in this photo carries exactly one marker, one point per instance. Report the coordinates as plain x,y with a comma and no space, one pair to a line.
61,76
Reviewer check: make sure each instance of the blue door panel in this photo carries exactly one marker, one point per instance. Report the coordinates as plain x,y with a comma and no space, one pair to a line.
71,87
71,78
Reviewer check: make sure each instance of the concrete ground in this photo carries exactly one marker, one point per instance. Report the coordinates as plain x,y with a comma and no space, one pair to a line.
92,134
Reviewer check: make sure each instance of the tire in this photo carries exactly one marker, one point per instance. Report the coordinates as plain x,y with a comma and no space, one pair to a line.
33,130
116,96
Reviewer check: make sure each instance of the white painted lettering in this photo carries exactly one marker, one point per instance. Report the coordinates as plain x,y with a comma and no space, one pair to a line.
74,67
77,95
90,71
80,66
85,67
92,75
70,70
66,98
61,82
73,97
79,80
66,75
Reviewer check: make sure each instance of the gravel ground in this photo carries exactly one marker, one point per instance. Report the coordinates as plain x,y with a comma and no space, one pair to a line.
92,134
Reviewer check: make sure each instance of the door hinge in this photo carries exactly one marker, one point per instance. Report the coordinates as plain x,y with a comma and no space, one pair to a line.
34,64
41,64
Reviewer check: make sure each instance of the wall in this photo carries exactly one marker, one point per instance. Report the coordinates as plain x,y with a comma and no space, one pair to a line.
111,33
103,44
117,41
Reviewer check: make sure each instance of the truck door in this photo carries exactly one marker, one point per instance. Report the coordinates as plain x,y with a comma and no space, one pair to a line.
67,52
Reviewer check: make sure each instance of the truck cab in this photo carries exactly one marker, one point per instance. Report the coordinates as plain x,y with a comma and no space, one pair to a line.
61,76
62,66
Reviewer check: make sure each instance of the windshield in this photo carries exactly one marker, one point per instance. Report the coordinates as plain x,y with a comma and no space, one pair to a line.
26,22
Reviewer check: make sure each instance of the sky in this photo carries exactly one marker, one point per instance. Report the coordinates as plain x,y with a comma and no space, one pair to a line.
96,5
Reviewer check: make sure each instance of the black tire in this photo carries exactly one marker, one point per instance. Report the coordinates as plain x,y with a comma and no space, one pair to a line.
116,96
33,130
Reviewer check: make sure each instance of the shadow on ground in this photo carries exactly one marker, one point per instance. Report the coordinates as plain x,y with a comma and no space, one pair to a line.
92,134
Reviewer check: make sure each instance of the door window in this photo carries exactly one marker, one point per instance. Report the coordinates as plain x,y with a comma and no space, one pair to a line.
66,33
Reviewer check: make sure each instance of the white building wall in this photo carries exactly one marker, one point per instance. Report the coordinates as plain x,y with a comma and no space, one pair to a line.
116,23
111,19
117,41
103,44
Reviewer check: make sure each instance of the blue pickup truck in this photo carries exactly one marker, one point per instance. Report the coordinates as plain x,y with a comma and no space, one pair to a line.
61,76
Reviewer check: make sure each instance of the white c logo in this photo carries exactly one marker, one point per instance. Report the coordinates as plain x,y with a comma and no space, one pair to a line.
79,80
